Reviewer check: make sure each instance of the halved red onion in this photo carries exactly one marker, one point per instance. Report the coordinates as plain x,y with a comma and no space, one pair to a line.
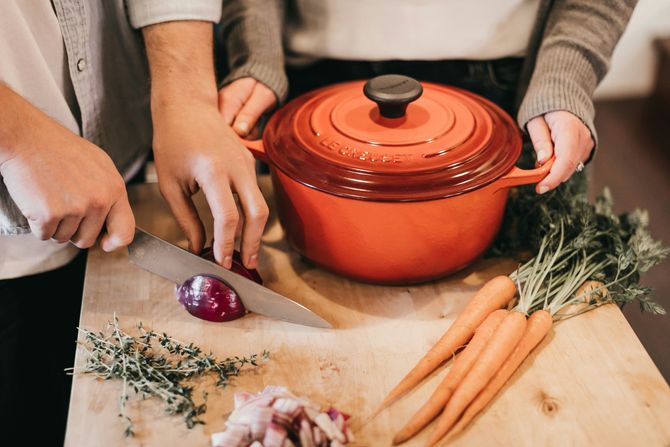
209,298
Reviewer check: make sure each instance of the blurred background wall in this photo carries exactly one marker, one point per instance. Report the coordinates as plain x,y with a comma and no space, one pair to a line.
634,63
633,158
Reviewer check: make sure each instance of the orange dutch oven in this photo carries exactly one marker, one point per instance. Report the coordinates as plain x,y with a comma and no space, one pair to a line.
391,181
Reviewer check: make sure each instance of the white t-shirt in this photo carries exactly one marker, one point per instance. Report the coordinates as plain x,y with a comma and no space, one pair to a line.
33,62
410,29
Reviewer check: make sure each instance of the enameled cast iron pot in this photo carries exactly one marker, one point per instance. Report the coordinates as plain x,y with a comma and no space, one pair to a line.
390,181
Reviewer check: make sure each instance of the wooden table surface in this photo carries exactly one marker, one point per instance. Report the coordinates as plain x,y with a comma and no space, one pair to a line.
590,383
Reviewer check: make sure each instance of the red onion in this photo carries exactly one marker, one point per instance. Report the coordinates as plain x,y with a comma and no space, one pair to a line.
277,417
209,298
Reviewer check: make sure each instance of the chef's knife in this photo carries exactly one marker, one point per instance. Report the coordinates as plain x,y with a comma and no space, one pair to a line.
176,264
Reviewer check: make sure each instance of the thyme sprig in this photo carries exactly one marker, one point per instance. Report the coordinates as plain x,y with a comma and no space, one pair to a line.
157,365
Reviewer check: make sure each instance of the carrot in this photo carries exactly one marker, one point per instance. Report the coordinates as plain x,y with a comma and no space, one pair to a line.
462,365
539,324
495,294
500,346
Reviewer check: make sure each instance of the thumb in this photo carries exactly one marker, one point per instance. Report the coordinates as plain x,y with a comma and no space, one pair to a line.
540,135
120,226
233,96
261,100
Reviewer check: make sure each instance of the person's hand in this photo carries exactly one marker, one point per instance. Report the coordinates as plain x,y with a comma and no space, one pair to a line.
67,188
242,102
194,149
563,134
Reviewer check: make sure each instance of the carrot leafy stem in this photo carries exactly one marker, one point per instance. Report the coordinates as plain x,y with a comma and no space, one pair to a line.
576,241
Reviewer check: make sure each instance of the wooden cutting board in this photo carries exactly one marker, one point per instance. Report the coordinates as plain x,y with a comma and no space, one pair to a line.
590,383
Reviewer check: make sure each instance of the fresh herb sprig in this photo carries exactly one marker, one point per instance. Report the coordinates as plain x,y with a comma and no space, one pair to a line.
156,365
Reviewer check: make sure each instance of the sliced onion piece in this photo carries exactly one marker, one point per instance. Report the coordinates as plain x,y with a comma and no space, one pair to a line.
290,420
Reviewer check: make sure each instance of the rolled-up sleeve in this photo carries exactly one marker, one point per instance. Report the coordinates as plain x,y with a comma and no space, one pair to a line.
149,12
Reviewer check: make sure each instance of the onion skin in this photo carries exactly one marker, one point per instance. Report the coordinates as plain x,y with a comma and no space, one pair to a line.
237,267
209,298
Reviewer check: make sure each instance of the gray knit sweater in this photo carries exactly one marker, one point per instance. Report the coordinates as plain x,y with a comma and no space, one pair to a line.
568,53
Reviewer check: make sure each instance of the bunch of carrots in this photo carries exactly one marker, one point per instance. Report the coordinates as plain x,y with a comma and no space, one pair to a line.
581,264
499,341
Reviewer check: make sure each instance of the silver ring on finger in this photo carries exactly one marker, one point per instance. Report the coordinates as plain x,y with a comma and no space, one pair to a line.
580,167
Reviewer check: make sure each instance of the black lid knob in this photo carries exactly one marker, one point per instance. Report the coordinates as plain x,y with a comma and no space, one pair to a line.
392,93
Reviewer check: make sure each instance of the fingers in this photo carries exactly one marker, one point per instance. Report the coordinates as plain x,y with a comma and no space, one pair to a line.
240,226
67,228
540,135
572,144
120,225
255,217
43,228
233,96
89,228
224,211
55,225
562,121
568,156
261,100
186,215
84,228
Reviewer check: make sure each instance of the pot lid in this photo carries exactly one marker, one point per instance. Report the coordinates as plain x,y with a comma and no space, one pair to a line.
392,139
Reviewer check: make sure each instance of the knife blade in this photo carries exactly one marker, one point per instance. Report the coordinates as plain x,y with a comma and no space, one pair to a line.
177,265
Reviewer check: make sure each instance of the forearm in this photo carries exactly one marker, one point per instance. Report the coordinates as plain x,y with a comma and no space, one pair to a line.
194,149
20,123
574,56
181,61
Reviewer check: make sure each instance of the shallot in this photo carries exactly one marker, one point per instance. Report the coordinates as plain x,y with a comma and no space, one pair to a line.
275,417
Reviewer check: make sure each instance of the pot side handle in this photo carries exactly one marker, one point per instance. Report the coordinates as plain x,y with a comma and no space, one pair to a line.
256,148
518,176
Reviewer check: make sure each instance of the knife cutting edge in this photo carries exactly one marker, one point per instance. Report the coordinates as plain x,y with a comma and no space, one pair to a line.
177,265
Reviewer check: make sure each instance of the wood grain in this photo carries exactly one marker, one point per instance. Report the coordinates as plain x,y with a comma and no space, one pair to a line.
590,383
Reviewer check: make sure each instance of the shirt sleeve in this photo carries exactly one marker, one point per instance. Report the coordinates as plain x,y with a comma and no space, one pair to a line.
573,57
149,12
251,34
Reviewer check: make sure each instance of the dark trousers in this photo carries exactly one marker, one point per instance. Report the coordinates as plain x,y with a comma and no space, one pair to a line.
39,315
495,80
38,319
